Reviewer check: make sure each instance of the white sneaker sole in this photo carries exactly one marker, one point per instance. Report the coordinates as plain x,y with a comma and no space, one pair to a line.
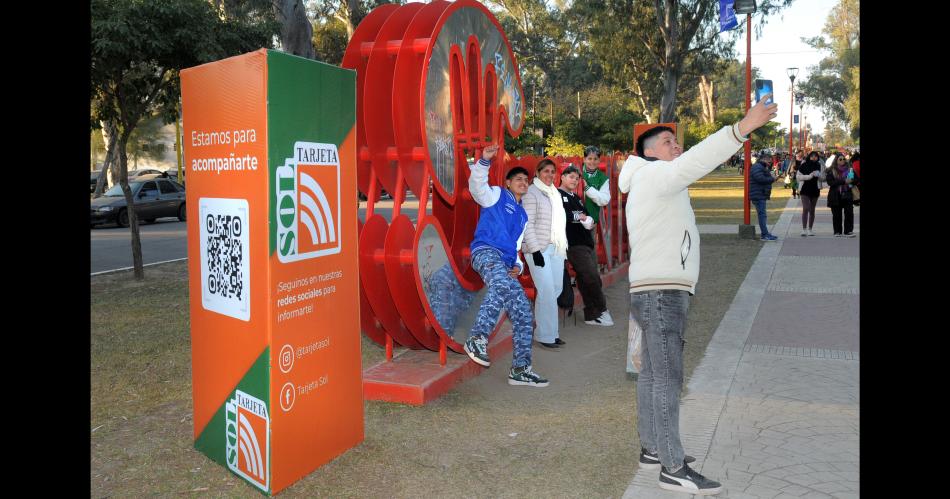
474,358
649,466
595,323
689,490
514,382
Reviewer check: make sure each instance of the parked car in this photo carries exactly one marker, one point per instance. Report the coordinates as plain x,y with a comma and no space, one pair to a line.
143,171
154,198
93,178
169,174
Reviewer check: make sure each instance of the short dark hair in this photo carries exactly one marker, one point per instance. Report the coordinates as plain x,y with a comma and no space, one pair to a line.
570,169
545,162
651,133
591,149
516,170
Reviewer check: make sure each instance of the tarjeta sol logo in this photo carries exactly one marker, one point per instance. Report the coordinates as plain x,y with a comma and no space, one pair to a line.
247,430
308,203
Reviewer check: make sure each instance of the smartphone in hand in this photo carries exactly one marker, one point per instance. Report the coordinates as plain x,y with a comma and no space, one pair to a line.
763,87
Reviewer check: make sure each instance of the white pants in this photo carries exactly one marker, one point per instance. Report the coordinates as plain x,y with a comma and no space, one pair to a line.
548,280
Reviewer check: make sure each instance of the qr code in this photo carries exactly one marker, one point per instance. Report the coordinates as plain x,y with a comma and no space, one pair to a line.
225,279
225,254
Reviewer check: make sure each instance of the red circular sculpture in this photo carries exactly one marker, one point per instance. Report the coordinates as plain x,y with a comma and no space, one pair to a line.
436,83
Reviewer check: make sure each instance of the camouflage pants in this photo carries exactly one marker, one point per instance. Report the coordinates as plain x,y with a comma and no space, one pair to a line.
504,292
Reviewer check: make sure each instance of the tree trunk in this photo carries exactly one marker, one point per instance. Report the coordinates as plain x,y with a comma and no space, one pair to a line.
352,18
108,164
296,32
121,141
706,97
668,103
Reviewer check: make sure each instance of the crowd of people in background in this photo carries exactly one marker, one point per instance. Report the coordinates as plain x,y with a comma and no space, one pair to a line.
806,174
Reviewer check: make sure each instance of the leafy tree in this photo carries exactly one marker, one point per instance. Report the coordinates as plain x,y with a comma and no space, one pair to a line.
834,84
558,145
137,49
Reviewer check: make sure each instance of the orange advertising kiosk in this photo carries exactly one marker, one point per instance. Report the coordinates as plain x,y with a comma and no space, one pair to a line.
269,148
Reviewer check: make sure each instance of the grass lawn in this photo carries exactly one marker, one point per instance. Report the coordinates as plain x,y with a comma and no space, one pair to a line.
717,199
576,438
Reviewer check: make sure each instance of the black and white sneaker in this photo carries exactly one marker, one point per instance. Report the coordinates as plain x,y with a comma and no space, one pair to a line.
477,349
525,376
689,481
651,461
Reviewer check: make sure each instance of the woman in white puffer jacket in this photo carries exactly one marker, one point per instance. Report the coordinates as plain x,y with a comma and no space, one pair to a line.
545,240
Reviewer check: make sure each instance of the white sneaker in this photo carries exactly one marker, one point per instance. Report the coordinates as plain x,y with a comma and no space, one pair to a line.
804,232
598,322
606,318
811,232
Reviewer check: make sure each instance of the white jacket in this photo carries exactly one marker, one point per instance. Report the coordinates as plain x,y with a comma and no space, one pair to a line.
664,240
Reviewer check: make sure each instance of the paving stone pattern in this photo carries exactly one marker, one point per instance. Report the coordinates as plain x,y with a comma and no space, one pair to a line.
772,409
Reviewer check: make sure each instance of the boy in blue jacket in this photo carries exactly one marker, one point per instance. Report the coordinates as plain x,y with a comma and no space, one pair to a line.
495,257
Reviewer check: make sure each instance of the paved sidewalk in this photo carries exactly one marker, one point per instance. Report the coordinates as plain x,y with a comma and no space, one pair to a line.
772,409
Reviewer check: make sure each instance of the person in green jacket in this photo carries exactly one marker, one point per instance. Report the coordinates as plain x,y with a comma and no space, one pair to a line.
596,185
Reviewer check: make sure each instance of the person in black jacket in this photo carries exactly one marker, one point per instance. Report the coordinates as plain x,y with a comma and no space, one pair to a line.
580,251
839,178
760,190
808,174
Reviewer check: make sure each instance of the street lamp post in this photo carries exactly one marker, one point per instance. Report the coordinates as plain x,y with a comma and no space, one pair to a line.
747,7
800,100
792,73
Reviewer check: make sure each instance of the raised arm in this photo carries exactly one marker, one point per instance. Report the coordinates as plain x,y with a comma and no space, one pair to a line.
483,194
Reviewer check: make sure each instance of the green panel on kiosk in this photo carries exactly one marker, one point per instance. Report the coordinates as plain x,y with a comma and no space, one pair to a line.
213,441
297,109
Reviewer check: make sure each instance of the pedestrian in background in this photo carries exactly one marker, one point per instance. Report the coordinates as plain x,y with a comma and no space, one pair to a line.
760,191
580,251
498,235
545,239
840,199
808,175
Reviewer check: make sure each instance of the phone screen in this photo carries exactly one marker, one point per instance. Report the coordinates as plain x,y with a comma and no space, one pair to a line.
763,87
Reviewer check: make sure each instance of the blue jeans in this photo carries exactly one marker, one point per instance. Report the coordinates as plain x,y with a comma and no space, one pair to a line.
505,292
662,316
763,218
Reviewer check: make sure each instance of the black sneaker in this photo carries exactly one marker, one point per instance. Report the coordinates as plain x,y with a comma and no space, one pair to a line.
689,481
477,349
525,376
651,461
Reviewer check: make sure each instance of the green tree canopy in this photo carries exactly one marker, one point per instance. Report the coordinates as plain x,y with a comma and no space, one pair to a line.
137,49
834,84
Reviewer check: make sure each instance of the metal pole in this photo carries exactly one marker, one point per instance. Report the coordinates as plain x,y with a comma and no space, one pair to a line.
748,104
791,119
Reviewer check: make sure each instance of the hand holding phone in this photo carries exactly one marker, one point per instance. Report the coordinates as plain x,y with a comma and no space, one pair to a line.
763,88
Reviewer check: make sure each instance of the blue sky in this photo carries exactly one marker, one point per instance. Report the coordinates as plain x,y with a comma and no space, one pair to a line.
780,47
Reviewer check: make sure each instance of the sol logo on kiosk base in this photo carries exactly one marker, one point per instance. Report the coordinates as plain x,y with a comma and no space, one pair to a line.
247,429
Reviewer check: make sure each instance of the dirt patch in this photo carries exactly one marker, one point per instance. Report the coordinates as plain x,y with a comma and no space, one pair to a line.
575,438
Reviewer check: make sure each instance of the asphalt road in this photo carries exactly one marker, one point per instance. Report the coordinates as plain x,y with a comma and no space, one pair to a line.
167,239
111,246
